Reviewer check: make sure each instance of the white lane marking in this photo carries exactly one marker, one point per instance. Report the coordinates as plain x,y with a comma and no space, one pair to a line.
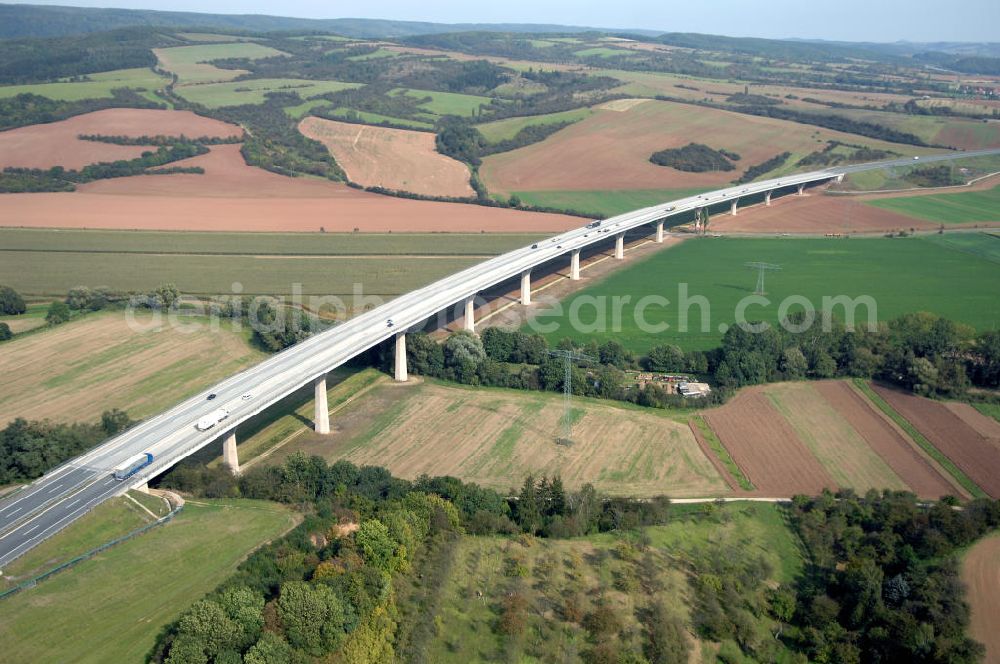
55,488
32,529
15,511
73,503
109,482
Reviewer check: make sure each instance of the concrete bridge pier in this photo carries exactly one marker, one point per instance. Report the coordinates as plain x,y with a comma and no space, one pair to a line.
574,265
801,187
659,232
767,197
229,456
401,375
470,313
526,287
620,246
732,206
321,418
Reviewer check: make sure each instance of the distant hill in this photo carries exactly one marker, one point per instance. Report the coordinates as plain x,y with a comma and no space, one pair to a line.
55,21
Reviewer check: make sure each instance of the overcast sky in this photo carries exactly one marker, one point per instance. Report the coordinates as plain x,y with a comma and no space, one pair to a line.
847,20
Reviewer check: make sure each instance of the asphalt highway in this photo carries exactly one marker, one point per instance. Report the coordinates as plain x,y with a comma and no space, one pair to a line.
55,500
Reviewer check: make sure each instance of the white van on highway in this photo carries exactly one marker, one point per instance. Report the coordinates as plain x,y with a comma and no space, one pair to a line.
213,418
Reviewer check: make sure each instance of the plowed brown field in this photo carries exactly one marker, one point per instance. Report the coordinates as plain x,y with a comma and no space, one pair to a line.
611,149
56,143
398,159
981,574
919,473
815,213
766,447
972,452
232,196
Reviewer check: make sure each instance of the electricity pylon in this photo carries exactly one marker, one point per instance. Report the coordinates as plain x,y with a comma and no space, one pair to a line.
568,357
761,269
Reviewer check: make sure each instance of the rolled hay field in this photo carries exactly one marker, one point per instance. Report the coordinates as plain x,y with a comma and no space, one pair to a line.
497,437
398,159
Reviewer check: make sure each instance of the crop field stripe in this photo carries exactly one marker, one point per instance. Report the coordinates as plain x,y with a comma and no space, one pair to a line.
974,244
714,449
920,440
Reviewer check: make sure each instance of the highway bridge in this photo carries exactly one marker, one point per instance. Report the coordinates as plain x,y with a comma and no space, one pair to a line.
37,511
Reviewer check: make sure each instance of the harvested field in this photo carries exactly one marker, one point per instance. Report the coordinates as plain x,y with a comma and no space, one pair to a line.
976,455
191,63
56,143
833,441
75,371
232,196
392,158
497,437
611,149
920,473
766,447
981,575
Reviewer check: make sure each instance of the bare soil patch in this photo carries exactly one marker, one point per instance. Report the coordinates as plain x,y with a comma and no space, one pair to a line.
815,213
497,437
232,196
985,426
920,473
973,453
397,159
766,448
981,575
56,143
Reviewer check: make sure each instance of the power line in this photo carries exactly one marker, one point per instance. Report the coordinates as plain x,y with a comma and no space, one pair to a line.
568,357
761,269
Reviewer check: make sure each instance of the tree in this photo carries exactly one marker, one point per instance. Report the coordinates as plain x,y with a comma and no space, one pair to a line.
11,303
5,332
376,545
269,649
666,641
313,616
58,313
206,622
463,347
793,363
666,357
529,515
115,421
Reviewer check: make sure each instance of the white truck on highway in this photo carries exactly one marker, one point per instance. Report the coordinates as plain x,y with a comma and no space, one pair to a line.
213,418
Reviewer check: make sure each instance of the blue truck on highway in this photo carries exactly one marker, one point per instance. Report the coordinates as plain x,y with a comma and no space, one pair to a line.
132,465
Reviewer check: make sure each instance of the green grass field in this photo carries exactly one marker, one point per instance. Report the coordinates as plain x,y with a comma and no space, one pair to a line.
209,263
446,103
187,61
603,203
601,52
500,130
98,86
271,244
375,55
902,275
115,518
962,208
377,118
236,93
111,608
208,274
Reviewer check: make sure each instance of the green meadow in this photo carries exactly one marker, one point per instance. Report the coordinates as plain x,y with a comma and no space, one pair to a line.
902,275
